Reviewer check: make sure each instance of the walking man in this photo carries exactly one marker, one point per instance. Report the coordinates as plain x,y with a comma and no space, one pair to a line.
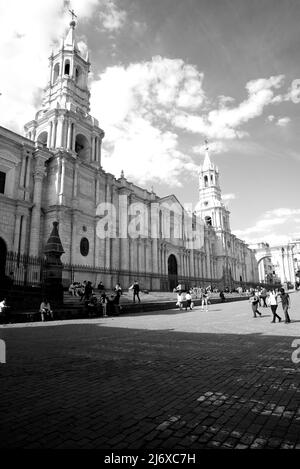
136,291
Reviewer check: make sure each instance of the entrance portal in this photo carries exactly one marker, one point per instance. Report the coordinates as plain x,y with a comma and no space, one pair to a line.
3,252
172,272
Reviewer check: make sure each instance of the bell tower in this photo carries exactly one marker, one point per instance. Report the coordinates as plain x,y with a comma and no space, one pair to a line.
64,123
69,70
210,206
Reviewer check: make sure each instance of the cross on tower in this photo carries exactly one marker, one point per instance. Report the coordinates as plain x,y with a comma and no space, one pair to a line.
206,143
73,14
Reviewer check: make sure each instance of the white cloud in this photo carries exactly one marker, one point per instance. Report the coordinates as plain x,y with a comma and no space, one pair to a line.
112,17
135,105
225,122
143,107
283,121
28,29
226,197
274,227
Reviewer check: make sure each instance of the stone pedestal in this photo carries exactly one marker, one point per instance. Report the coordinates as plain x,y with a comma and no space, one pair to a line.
53,287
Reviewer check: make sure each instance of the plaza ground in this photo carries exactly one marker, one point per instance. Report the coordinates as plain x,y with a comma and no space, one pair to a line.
164,380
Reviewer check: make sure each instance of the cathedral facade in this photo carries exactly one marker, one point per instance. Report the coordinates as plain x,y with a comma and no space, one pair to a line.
111,229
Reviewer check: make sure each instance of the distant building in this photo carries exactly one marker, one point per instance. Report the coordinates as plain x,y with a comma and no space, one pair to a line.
54,173
276,261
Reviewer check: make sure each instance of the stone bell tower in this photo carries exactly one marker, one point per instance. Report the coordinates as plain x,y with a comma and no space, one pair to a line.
70,139
210,206
64,122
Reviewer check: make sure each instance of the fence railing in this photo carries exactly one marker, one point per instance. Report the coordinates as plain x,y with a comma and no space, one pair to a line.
25,270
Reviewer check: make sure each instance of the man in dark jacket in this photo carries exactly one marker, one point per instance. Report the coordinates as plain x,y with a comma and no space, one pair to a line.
136,291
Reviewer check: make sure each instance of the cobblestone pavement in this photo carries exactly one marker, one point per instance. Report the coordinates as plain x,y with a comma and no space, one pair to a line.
169,380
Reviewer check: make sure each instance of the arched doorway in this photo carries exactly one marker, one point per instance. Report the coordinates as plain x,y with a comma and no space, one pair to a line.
172,272
3,253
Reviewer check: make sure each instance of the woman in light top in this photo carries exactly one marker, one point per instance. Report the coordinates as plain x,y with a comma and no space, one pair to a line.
273,302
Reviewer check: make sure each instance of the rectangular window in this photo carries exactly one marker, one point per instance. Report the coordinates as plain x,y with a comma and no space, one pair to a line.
2,182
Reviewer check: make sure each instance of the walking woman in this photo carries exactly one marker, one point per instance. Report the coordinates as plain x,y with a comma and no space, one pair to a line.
254,300
272,301
286,303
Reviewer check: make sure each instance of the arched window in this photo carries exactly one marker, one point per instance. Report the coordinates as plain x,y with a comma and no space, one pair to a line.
67,67
205,181
211,178
42,138
77,75
55,72
208,221
82,147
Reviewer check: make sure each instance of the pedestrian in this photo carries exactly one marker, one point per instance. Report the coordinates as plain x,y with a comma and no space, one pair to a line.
88,291
136,291
179,300
222,296
188,299
4,310
104,301
263,296
115,302
204,298
101,287
254,300
286,304
272,301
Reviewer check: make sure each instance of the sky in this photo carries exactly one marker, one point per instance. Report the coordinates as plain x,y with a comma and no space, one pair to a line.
165,76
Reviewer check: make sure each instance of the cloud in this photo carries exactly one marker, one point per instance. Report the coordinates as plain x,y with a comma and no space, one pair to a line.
112,17
224,122
28,30
264,228
226,197
135,105
143,107
283,121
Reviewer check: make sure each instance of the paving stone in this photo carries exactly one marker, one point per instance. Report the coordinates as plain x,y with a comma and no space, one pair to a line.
152,381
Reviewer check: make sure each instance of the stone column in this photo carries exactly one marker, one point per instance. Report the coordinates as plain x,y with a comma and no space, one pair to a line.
73,137
99,151
93,149
123,230
69,136
17,232
36,212
49,134
54,130
62,181
74,246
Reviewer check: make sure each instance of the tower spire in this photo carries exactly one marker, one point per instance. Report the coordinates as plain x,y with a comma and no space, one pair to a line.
207,164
